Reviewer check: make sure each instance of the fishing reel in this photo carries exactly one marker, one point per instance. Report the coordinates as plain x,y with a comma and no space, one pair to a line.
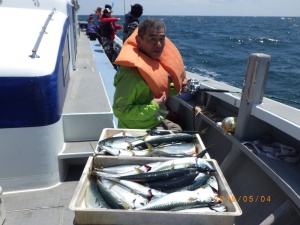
192,86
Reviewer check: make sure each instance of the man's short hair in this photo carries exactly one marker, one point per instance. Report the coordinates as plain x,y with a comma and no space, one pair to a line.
136,10
150,23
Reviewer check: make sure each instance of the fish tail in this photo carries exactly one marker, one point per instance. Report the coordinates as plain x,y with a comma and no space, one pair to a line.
139,171
202,153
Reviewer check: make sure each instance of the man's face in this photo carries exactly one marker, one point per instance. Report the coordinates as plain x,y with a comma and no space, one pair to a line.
153,42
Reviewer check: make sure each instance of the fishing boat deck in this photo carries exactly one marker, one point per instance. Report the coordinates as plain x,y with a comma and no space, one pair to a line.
88,103
86,95
48,206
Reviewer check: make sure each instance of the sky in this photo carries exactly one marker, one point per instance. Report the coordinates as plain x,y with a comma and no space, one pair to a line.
282,8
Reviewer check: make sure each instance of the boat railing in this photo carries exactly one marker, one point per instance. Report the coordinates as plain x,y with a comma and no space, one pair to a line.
40,37
256,116
258,113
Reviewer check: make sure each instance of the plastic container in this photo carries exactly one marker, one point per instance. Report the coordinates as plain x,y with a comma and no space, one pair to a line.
84,215
109,132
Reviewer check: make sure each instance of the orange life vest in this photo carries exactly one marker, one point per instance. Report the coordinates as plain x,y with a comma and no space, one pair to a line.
154,71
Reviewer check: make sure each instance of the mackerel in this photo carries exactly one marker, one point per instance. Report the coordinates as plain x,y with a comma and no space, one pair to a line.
118,169
122,142
126,195
213,183
93,198
163,139
123,170
169,184
161,175
125,152
186,149
140,189
183,163
200,180
111,199
165,132
181,200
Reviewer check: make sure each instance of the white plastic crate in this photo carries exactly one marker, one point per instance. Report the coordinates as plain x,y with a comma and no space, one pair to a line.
84,215
109,132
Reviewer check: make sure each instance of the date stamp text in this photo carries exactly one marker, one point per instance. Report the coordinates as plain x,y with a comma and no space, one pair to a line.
244,198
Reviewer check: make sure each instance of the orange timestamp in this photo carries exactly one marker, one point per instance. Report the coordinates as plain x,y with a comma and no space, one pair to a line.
243,198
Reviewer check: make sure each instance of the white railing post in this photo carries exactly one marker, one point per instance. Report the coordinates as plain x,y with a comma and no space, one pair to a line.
253,90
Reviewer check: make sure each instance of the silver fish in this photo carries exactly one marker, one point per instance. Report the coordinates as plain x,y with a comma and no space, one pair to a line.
168,155
125,152
111,199
177,148
183,163
161,175
116,171
122,142
132,199
140,189
200,180
163,139
180,200
93,198
213,183
171,185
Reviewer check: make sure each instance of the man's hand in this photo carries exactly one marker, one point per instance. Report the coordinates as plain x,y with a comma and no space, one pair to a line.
161,101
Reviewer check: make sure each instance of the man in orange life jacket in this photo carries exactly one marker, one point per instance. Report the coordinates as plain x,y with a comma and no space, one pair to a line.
149,61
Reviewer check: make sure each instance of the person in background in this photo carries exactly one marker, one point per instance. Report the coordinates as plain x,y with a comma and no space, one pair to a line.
91,17
131,20
108,32
149,65
97,17
92,30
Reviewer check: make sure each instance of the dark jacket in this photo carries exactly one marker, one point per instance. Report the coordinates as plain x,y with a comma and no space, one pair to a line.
130,24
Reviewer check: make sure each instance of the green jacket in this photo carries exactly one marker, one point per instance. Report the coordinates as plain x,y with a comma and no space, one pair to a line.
133,104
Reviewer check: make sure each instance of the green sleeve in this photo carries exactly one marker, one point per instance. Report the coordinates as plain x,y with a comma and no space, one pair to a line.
132,99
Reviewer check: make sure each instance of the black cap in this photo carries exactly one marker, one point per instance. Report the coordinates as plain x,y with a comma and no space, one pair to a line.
108,6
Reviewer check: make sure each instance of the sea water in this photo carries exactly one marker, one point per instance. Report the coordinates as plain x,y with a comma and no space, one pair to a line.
219,47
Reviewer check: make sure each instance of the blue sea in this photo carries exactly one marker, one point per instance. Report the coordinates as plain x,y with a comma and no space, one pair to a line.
219,47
